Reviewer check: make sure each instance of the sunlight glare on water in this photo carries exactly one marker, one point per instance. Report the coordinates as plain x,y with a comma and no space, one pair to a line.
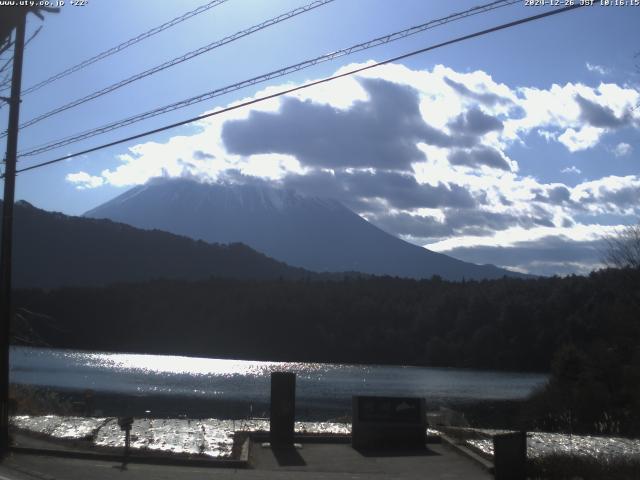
192,365
318,386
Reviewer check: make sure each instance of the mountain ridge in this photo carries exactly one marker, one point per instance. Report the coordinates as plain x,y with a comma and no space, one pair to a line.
51,249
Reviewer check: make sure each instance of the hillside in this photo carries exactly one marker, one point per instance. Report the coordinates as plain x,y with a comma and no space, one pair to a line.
52,249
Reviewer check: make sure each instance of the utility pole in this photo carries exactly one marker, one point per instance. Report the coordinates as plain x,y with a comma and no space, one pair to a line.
7,229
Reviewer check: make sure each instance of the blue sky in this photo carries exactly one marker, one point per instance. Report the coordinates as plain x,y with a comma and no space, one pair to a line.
521,148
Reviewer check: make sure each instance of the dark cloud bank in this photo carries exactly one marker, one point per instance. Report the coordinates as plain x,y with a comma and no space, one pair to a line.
362,157
381,132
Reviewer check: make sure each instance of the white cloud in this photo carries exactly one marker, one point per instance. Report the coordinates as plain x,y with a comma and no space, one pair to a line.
83,180
622,149
558,109
444,94
597,68
515,235
547,135
271,166
609,195
571,169
581,139
554,113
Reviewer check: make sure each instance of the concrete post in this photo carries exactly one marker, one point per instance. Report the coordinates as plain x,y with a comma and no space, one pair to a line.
283,407
510,456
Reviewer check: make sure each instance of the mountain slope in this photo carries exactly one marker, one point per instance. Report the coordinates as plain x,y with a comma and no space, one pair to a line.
52,249
309,232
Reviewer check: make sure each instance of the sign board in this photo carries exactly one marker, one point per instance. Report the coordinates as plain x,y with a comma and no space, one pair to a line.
389,409
389,422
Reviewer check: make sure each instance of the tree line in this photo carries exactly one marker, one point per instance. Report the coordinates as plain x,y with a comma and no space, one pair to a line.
585,330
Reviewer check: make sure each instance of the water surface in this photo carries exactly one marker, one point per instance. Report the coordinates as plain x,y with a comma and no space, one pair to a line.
318,386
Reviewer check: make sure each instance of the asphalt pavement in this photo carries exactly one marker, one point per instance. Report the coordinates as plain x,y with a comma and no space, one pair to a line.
325,461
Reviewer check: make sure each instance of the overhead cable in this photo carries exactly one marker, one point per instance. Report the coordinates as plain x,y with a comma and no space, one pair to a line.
307,85
182,58
123,45
266,77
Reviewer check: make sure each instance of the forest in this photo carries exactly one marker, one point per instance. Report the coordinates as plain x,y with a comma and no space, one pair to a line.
584,330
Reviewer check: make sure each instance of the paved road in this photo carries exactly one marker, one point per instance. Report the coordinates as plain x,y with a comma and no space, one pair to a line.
312,461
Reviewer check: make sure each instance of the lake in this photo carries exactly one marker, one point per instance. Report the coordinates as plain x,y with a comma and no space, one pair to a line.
175,385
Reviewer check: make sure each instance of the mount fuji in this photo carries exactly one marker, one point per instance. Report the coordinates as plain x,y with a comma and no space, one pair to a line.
314,233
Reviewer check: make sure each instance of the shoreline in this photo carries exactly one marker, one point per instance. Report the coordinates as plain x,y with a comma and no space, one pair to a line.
208,438
487,413
220,442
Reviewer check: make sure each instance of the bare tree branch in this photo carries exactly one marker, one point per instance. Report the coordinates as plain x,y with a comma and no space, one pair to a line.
623,248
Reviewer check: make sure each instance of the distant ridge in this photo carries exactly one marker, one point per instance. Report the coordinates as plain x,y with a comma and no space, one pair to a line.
52,250
317,234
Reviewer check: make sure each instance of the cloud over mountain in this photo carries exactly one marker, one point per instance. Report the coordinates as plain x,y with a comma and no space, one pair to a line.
600,116
478,156
475,122
436,156
380,132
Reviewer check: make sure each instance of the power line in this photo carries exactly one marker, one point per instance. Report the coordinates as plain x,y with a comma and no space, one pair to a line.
3,82
123,45
268,76
6,80
6,45
183,58
307,85
8,61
